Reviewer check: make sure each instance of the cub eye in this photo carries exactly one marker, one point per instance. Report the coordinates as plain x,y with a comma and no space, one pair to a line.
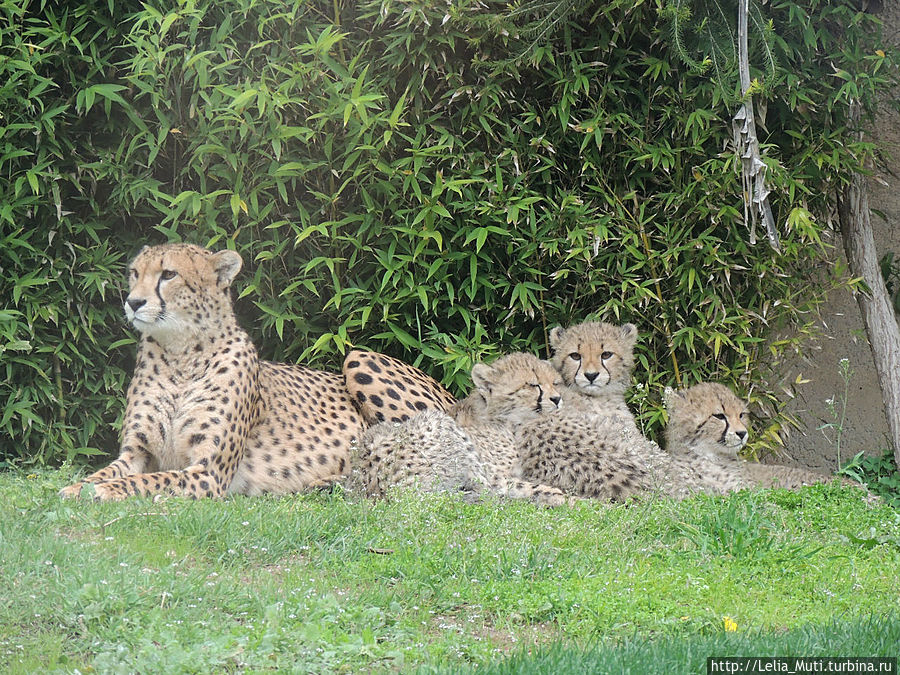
133,273
167,274
606,356
575,356
720,416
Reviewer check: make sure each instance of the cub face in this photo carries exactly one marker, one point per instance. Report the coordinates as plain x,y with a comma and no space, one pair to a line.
518,387
594,356
175,287
709,417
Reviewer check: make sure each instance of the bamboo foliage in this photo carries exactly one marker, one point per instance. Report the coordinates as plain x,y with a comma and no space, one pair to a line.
397,178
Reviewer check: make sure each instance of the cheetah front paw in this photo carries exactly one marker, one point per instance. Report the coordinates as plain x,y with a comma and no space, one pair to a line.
109,492
71,491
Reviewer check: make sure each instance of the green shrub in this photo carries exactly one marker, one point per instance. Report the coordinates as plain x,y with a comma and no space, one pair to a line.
396,178
880,474
62,348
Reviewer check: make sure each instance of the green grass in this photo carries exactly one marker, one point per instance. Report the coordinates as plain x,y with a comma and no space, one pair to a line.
319,583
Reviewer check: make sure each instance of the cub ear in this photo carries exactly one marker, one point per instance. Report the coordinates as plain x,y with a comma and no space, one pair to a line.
482,376
629,333
672,398
227,264
556,335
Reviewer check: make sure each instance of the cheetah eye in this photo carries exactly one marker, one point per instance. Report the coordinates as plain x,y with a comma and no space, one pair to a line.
133,273
720,416
575,356
606,356
167,274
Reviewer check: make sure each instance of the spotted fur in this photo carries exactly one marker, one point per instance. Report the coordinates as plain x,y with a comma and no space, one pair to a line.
387,390
204,416
601,457
472,447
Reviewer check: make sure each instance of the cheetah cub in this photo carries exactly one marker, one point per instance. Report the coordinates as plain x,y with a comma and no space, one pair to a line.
593,447
472,447
204,415
595,360
707,428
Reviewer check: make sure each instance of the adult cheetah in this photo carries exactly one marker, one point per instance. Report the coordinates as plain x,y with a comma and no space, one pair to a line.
472,447
204,416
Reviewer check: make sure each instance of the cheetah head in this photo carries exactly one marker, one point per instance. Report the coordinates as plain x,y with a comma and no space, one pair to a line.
175,288
517,387
707,419
594,358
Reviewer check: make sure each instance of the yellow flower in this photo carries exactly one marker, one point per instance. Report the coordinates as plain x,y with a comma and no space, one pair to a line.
730,625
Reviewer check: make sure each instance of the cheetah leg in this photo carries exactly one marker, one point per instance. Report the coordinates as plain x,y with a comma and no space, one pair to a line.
540,494
212,453
195,481
128,463
327,481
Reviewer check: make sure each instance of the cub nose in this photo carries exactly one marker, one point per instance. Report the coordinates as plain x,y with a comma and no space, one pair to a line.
741,434
590,377
556,399
136,303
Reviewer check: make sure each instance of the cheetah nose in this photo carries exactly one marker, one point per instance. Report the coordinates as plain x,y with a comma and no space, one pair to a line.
136,303
741,434
590,377
556,399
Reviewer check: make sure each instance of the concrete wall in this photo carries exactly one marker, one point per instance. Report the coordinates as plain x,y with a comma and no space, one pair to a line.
865,428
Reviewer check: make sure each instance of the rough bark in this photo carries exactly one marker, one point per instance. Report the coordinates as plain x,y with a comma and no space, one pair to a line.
875,306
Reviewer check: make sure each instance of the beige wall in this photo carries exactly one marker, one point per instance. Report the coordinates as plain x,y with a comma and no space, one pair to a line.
865,428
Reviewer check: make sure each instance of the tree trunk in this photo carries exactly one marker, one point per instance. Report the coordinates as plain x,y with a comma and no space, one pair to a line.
875,306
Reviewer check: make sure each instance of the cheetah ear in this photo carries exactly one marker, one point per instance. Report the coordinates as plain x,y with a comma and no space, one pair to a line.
482,376
629,333
227,264
556,336
143,248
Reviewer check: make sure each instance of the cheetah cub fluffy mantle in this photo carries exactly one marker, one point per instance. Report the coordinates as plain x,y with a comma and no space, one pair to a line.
204,416
472,447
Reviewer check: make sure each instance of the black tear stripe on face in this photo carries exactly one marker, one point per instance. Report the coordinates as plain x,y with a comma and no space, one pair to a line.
724,436
603,362
162,303
708,420
579,364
